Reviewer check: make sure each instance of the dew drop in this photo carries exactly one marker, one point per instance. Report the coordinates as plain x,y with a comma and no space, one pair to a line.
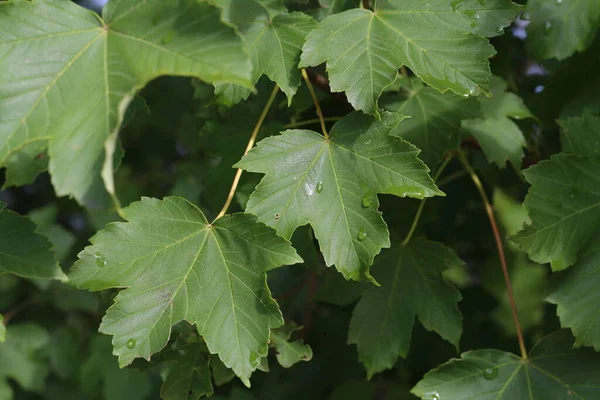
558,2
490,373
547,27
432,396
168,37
362,234
456,4
319,187
130,344
367,201
100,261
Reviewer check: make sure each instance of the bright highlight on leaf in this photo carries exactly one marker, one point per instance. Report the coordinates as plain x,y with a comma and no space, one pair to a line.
176,266
412,286
68,76
442,42
274,43
23,252
332,183
553,371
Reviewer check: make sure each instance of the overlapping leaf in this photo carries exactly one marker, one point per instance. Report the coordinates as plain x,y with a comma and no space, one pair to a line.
442,42
274,42
553,371
500,138
21,361
68,76
578,298
564,201
289,353
176,266
435,118
559,28
24,252
190,377
412,286
581,136
331,184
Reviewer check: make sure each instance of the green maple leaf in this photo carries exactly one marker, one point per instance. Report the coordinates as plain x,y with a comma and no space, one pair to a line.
553,371
563,202
190,377
68,75
20,359
174,266
441,42
331,184
435,117
289,353
411,285
581,135
23,251
274,42
578,299
500,138
559,28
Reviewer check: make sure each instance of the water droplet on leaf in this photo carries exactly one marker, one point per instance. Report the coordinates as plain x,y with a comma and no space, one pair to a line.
367,201
456,4
319,187
130,344
558,2
362,234
547,27
100,261
432,396
490,373
168,37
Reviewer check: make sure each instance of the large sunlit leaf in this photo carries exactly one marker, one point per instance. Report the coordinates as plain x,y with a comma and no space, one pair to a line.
24,252
332,183
68,75
412,286
274,42
553,371
174,266
578,299
442,42
559,28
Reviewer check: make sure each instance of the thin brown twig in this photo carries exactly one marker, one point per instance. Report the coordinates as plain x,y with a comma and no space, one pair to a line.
316,101
310,122
238,174
490,213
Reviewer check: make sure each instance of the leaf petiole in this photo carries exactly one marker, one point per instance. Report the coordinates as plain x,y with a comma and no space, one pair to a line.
316,101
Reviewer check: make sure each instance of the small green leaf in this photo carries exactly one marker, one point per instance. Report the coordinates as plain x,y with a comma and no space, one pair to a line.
434,123
441,42
559,28
24,252
189,378
358,158
175,266
20,359
500,138
289,353
274,43
552,371
411,285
